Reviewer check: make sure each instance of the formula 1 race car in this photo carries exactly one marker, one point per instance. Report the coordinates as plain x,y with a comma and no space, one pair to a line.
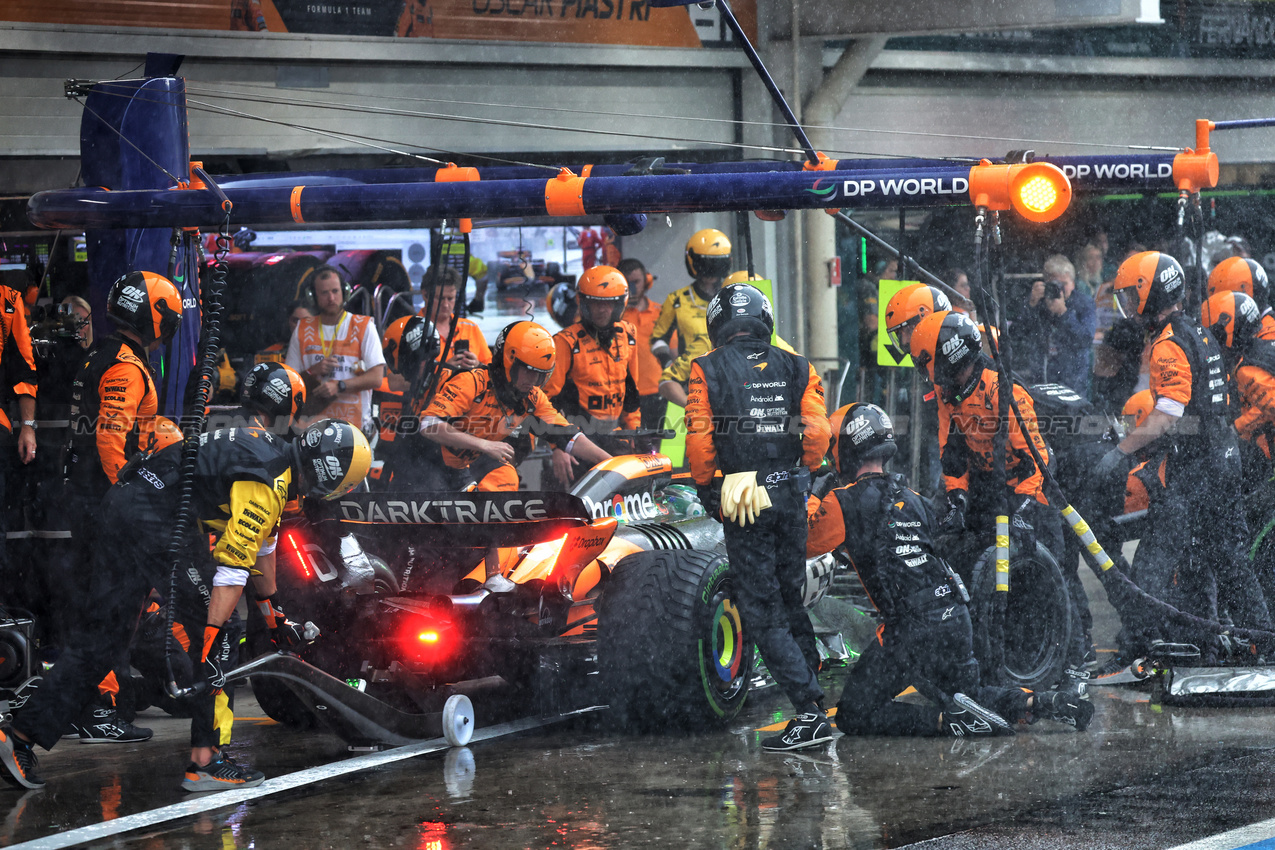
622,597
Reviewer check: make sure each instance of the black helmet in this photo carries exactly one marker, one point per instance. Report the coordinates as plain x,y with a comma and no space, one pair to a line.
409,342
275,390
860,432
333,457
738,308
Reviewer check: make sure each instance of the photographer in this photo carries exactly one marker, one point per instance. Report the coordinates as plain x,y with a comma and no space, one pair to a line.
1053,334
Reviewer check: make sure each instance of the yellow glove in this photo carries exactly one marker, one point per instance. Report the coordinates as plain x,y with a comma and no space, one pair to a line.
742,498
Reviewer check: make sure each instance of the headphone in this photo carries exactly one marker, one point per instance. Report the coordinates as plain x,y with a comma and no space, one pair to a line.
305,286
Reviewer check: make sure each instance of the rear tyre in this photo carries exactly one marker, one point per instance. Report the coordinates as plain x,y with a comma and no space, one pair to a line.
671,647
1038,619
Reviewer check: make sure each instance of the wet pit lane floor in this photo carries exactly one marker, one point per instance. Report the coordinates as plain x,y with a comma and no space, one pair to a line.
1142,776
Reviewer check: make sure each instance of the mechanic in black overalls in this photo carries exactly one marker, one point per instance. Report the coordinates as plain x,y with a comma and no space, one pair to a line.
242,479
926,639
756,413
1201,514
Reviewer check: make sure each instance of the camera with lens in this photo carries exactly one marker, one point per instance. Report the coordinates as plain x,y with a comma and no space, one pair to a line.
1053,289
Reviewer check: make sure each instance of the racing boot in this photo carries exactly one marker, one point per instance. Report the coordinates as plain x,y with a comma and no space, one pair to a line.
107,726
807,729
963,717
19,762
1064,707
220,774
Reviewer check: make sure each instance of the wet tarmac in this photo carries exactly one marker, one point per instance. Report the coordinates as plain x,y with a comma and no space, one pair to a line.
1142,776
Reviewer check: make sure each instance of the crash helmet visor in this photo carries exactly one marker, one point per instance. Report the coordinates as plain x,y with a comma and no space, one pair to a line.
1128,302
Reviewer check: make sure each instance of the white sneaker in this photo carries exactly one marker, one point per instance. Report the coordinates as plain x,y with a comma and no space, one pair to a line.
499,584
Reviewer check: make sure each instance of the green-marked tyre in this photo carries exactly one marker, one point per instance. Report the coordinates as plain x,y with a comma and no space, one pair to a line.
671,647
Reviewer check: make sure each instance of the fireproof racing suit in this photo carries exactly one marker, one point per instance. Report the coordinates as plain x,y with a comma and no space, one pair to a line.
753,406
243,478
595,386
1200,515
687,313
468,402
1255,382
926,639
966,434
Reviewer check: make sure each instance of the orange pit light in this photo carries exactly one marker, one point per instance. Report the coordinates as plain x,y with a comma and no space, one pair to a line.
1038,191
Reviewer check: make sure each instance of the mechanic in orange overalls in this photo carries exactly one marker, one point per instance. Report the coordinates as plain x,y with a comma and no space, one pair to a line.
643,312
594,380
469,348
757,414
475,411
113,401
1240,274
1199,513
949,346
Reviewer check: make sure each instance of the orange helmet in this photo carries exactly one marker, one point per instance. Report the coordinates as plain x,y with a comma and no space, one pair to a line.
275,390
161,433
943,344
1240,274
523,347
910,305
1148,283
602,285
1138,408
1233,318
147,304
409,342
708,254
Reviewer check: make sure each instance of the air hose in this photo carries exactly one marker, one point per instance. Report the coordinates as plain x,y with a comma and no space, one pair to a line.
192,428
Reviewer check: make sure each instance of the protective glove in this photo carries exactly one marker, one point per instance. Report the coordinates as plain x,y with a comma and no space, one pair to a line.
216,655
710,498
1021,529
283,632
953,522
742,498
1112,469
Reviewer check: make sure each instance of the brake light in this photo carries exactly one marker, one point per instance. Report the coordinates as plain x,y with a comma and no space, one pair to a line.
426,641
296,550
428,637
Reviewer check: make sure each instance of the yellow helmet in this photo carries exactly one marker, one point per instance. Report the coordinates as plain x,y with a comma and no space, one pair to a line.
741,276
708,254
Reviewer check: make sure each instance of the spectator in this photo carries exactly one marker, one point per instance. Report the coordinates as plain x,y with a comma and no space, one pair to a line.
1052,336
1089,269
960,281
338,354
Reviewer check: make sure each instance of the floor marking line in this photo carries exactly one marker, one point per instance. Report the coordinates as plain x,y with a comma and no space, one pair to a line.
287,782
1245,836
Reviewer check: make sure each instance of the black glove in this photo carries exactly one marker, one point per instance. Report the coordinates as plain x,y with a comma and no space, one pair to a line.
1021,529
283,632
953,522
711,498
1112,469
216,655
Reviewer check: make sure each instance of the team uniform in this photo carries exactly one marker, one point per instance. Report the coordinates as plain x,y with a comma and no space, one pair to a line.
686,313
653,405
466,331
745,398
595,385
354,342
243,478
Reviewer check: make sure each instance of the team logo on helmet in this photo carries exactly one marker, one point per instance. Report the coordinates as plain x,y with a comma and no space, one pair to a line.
954,349
860,429
312,438
1170,278
414,334
334,468
131,298
276,390
739,299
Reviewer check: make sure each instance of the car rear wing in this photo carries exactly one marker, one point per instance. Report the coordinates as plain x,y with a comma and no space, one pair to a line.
471,520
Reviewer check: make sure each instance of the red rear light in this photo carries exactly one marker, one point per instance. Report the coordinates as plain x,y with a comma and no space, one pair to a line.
292,541
426,641
428,637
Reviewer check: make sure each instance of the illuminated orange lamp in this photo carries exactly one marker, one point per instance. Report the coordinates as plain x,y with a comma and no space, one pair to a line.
1197,169
1038,191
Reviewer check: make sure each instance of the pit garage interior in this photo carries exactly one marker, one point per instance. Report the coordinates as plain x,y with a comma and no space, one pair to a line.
370,84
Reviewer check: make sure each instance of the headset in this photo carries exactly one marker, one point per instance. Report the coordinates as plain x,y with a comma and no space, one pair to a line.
305,286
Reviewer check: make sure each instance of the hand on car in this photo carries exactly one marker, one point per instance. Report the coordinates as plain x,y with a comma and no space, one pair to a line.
563,466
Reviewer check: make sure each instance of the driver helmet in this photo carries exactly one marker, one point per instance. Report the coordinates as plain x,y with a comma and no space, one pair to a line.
332,458
606,286
860,432
273,389
708,254
1240,274
1148,283
147,304
737,308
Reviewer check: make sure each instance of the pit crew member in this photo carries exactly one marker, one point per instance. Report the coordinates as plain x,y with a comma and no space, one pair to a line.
926,639
1240,274
243,478
469,347
756,413
643,312
708,263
